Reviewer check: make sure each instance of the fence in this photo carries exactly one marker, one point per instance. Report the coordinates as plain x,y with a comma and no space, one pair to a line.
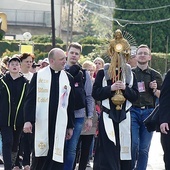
28,17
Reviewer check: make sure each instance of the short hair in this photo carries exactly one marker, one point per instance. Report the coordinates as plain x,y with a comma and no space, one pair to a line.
75,45
143,46
23,56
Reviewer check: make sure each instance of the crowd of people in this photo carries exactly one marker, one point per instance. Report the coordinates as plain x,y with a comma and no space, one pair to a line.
58,114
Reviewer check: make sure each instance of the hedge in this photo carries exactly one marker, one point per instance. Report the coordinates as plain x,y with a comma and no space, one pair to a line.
41,50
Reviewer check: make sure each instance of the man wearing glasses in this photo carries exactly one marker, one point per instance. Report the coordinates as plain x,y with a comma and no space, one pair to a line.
149,83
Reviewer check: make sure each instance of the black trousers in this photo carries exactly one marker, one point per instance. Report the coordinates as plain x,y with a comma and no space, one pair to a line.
25,148
45,163
10,143
83,150
165,141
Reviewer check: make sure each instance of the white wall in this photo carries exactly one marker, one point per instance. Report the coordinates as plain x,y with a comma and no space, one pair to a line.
34,5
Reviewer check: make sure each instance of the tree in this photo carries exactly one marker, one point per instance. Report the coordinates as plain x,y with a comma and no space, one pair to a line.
79,17
142,32
89,19
97,23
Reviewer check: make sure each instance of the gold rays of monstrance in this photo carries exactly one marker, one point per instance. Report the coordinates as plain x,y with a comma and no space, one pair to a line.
119,52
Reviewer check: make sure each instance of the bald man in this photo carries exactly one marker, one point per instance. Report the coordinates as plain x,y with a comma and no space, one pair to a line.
50,106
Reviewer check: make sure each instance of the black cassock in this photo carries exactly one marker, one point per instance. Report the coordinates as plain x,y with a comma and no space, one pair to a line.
107,155
46,163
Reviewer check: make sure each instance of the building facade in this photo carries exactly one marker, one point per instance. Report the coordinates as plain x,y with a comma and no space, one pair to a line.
32,16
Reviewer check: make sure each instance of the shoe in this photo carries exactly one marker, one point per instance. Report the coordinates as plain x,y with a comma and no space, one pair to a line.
27,167
16,168
88,164
1,162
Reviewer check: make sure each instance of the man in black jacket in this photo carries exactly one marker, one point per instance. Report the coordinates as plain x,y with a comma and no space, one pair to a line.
149,82
164,118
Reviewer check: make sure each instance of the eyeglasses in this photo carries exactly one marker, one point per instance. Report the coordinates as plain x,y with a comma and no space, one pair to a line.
143,53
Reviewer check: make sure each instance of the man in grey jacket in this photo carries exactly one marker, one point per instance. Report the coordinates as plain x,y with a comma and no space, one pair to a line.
73,55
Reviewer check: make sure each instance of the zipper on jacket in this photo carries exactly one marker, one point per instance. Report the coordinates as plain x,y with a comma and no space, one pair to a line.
22,94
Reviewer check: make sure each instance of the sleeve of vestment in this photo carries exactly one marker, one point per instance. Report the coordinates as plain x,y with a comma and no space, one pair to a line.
99,92
30,102
131,93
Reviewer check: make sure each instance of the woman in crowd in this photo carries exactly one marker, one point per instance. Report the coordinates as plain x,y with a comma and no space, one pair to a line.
86,137
99,64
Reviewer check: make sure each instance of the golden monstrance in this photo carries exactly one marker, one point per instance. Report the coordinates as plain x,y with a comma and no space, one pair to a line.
119,51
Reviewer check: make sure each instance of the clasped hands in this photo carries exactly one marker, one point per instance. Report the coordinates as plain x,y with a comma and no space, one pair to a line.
118,85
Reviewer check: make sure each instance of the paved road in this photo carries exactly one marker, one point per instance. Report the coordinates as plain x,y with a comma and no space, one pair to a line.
155,161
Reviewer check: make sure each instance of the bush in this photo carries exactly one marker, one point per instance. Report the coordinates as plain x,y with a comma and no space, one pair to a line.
46,39
160,62
91,40
1,34
90,51
87,48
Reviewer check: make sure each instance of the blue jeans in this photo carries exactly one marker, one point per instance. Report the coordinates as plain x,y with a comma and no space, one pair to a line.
71,144
141,138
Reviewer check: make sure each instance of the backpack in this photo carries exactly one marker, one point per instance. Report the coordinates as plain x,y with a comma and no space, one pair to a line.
79,75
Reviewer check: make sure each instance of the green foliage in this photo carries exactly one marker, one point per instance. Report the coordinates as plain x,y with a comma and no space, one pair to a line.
39,55
9,53
40,49
46,39
100,51
90,52
142,32
91,40
89,29
1,36
8,46
87,48
160,62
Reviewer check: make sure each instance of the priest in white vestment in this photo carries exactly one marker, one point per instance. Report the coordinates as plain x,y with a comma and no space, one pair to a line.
49,108
113,151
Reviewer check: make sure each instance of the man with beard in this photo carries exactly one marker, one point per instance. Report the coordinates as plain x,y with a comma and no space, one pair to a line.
149,82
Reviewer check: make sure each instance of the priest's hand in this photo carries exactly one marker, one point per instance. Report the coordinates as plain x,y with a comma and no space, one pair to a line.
69,133
27,127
